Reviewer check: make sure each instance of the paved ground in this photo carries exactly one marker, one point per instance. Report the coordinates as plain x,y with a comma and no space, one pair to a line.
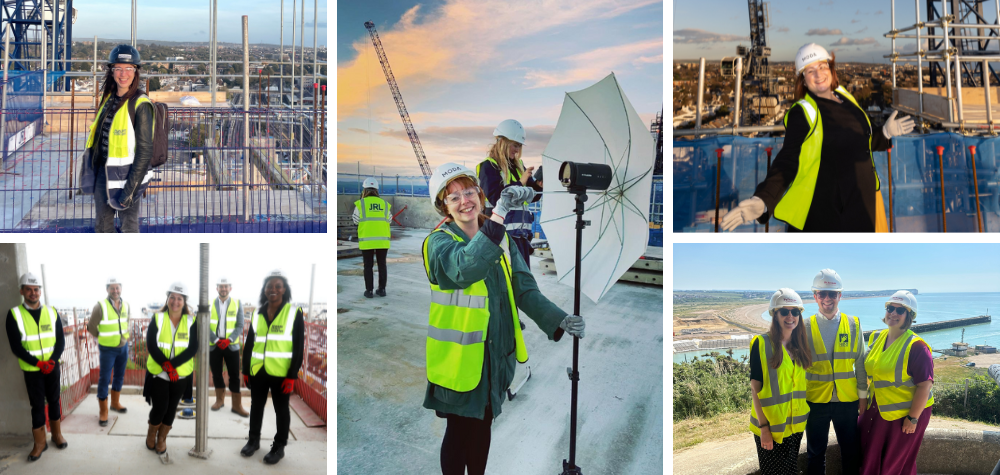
382,427
119,447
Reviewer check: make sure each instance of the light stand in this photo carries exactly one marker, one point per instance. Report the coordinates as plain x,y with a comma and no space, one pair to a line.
569,467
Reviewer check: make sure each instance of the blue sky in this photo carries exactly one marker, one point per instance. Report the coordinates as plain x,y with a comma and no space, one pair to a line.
852,28
463,66
187,20
927,267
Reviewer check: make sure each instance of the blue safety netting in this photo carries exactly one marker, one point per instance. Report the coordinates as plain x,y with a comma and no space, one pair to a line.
916,185
22,115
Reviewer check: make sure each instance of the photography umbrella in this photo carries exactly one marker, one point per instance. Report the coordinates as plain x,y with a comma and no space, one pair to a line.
595,243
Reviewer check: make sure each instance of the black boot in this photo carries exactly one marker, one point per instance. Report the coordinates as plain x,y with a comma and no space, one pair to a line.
380,292
252,446
277,453
369,294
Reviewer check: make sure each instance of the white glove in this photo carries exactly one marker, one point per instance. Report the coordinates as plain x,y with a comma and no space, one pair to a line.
503,205
518,194
748,210
573,324
895,127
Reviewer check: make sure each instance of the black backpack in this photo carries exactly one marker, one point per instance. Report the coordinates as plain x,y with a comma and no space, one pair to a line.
161,124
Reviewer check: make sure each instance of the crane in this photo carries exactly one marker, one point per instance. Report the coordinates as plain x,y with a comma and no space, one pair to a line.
758,97
418,149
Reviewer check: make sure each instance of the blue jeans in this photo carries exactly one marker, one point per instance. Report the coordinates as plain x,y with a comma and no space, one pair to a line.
112,358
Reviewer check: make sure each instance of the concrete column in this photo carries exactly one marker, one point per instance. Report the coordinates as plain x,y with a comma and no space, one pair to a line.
15,411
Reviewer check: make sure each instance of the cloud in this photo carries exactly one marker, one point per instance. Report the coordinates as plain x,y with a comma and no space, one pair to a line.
855,21
594,65
360,131
691,35
783,29
823,32
861,30
845,41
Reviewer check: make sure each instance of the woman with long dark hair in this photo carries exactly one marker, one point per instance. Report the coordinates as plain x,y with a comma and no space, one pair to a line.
778,360
272,365
120,144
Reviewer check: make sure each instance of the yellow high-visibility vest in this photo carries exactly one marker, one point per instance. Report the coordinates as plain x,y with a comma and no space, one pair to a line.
167,339
783,394
272,347
373,227
114,326
230,318
458,324
38,338
822,378
887,373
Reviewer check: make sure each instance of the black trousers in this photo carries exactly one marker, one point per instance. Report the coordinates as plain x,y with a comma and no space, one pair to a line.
369,256
259,387
105,215
466,444
844,416
42,387
232,359
166,395
189,389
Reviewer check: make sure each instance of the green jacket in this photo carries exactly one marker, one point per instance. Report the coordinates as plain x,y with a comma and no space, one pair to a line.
456,265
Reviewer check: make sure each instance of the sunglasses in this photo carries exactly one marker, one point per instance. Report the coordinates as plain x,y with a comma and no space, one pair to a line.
827,294
898,310
785,311
457,197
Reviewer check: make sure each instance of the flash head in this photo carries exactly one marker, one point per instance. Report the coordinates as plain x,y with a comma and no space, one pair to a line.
585,176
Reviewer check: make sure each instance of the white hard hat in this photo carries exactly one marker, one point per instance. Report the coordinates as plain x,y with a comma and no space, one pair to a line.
906,299
785,297
112,280
827,279
809,54
275,273
444,174
223,281
370,183
29,279
177,288
511,129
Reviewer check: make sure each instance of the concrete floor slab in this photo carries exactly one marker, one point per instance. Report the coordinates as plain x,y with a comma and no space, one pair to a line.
383,428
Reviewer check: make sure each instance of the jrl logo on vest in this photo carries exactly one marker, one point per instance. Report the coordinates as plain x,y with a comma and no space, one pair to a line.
375,207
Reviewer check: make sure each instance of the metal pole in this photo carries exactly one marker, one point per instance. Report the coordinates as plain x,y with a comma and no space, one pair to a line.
55,33
3,95
45,76
281,53
133,22
767,224
718,178
201,449
45,288
975,184
893,61
215,49
291,96
920,67
72,127
95,75
986,94
891,218
958,89
246,117
315,51
312,286
739,84
701,93
947,73
944,218
302,65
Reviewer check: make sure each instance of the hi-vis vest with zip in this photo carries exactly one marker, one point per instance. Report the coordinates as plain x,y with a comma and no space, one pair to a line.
458,324
272,347
167,338
229,318
518,216
114,326
373,227
38,338
887,373
793,208
783,394
121,147
822,378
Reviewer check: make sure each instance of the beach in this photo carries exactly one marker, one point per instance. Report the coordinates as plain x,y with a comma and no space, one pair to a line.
749,315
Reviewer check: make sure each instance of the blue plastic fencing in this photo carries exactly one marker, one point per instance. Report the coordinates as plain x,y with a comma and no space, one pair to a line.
916,185
23,114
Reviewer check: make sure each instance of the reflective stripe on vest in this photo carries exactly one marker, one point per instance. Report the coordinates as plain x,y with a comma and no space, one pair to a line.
823,378
793,208
373,227
113,326
229,318
39,339
887,370
272,347
121,147
782,395
458,324
518,216
167,339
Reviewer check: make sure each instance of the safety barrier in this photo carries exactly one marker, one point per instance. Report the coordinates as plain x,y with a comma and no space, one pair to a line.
914,205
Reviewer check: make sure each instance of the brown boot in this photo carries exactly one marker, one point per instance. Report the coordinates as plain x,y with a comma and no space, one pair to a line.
40,444
161,439
238,405
103,419
220,399
57,438
151,436
115,405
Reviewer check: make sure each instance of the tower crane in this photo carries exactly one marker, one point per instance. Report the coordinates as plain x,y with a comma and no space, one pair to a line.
756,78
418,149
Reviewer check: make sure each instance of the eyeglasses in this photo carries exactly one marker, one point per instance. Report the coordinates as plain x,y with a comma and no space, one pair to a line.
827,294
127,70
785,311
898,310
457,197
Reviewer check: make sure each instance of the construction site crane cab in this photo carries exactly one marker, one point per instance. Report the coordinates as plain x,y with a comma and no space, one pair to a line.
728,67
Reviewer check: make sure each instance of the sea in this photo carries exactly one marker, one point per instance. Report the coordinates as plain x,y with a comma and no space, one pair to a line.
933,307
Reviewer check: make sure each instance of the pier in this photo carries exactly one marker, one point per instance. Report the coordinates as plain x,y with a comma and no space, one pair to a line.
934,326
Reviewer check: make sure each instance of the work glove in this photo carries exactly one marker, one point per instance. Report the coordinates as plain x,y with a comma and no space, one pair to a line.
171,372
223,343
748,210
503,205
518,194
288,385
895,127
117,204
574,325
45,366
246,381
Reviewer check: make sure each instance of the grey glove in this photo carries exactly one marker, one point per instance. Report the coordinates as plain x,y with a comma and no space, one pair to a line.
503,205
748,210
895,127
573,324
518,194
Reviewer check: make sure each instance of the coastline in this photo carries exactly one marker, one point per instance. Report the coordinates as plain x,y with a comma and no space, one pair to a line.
750,315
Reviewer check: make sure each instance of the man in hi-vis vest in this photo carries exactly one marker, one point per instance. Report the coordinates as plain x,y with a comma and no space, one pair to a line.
836,383
226,326
109,324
